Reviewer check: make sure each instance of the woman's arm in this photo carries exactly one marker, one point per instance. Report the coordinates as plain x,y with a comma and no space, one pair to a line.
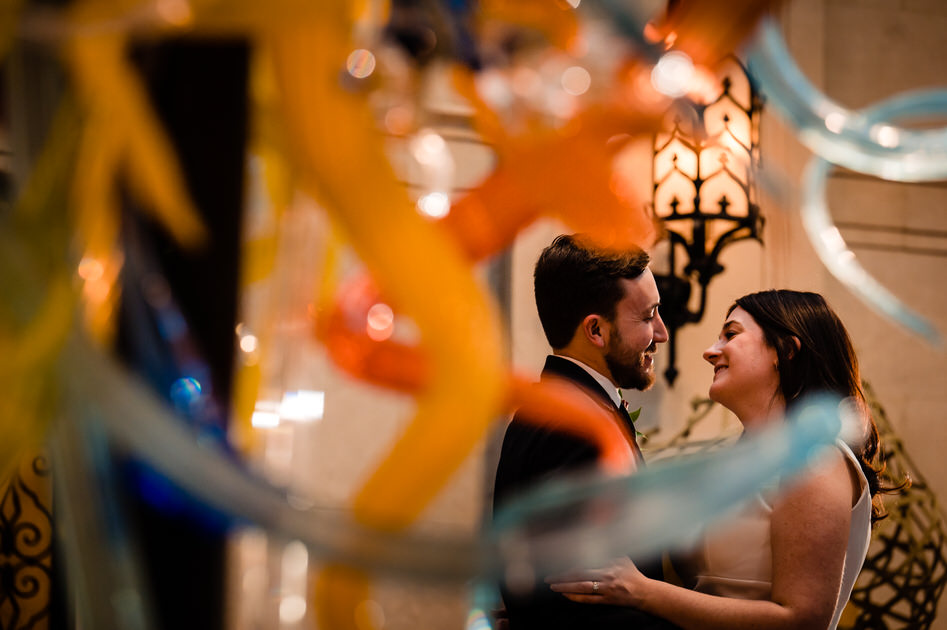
809,532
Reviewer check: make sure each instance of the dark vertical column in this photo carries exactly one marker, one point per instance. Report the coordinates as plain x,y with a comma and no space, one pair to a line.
199,91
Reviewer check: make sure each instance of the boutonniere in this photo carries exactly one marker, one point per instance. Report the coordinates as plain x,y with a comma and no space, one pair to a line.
634,418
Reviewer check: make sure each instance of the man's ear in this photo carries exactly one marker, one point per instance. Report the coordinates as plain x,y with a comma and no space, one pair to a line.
592,329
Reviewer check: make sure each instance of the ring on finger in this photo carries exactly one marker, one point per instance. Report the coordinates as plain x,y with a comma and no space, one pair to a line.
595,587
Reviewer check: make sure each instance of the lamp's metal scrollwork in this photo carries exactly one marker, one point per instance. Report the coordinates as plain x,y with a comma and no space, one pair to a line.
704,191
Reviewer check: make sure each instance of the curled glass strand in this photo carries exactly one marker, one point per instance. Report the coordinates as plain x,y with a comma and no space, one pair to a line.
827,240
661,504
104,571
137,419
867,144
587,521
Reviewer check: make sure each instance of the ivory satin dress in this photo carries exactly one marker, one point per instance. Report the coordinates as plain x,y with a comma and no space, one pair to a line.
734,559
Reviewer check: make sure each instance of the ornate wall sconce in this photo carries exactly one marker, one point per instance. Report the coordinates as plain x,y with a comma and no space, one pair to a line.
704,192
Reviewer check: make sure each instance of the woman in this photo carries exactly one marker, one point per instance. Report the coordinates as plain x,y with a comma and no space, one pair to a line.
788,560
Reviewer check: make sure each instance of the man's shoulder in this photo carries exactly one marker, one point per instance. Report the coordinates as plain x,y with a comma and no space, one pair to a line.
562,366
527,430
531,450
567,371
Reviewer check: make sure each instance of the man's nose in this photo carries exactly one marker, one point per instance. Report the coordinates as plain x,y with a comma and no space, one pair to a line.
660,331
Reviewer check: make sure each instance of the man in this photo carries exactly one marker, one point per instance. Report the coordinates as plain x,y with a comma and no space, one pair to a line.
599,312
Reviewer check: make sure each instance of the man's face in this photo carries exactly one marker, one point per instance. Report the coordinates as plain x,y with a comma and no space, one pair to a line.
634,333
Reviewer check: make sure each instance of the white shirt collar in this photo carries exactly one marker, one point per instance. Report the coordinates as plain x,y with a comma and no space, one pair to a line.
606,384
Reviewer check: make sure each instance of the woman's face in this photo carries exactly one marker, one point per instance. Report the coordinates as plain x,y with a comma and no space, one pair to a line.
745,377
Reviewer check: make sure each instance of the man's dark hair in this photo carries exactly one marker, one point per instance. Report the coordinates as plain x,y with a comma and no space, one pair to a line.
574,278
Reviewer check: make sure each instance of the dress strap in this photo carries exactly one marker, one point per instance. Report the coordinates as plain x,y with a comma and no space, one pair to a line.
853,461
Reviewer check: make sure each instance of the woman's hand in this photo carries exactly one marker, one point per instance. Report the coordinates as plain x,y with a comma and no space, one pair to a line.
620,583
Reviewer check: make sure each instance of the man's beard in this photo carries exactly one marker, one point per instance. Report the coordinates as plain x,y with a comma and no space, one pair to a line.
627,368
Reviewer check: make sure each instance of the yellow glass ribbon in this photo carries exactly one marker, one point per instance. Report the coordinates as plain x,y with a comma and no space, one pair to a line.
343,164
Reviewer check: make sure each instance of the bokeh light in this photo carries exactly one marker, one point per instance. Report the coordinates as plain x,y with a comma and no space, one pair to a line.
576,80
673,74
886,135
265,415
175,12
380,322
303,406
360,63
494,89
185,393
477,620
835,122
295,559
249,343
434,204
90,269
292,609
428,147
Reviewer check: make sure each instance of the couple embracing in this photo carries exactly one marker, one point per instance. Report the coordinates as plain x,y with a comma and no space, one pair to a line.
790,558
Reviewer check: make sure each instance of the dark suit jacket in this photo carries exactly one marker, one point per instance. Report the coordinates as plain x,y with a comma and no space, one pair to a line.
531,454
